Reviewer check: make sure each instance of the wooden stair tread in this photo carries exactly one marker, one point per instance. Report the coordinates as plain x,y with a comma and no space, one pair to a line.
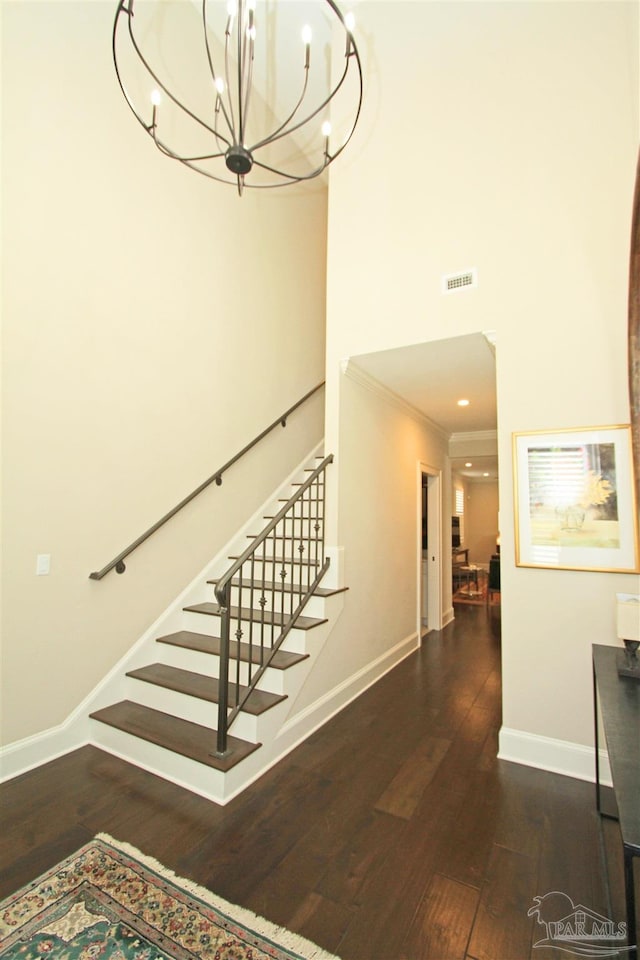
200,686
270,618
258,585
204,643
180,736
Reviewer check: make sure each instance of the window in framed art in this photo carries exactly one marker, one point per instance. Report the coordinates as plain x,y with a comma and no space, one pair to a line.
574,500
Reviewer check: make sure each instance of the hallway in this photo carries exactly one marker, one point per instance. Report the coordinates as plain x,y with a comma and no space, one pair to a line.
393,833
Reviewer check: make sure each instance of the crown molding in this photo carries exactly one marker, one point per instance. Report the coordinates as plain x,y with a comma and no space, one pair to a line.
358,375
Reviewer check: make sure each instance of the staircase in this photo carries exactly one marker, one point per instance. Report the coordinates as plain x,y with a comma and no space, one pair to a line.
167,716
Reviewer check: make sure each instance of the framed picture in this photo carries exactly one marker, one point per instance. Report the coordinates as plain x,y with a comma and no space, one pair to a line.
574,500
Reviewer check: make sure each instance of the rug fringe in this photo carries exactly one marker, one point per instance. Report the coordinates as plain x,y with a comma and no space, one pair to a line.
291,941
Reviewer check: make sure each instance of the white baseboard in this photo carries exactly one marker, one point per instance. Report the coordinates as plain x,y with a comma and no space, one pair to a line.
556,756
24,755
301,726
448,616
321,710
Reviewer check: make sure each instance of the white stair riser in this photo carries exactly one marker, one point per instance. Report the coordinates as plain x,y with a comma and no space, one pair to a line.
202,623
172,766
306,508
254,729
271,570
208,665
310,556
247,598
174,703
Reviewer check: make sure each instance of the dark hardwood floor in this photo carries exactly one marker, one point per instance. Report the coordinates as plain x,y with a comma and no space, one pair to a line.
393,833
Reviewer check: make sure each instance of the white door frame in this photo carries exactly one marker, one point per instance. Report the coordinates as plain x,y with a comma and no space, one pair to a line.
434,570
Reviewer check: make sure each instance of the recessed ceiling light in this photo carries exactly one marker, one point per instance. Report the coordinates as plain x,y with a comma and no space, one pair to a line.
485,474
463,403
469,464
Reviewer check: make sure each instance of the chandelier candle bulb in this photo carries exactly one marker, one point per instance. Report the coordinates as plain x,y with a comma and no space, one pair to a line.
349,22
155,103
306,39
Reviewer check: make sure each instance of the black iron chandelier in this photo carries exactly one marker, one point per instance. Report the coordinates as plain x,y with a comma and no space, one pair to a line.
256,93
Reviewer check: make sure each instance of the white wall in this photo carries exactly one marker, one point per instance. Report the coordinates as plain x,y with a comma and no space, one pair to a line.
153,324
381,446
481,521
502,136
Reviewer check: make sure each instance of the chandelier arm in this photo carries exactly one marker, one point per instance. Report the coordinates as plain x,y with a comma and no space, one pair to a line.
287,177
353,52
220,136
272,136
241,33
151,73
227,38
248,66
168,152
298,178
213,73
319,109
206,173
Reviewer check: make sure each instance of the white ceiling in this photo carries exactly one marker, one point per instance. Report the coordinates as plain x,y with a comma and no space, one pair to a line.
433,376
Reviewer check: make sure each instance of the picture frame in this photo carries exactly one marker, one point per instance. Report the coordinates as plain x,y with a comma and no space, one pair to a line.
574,500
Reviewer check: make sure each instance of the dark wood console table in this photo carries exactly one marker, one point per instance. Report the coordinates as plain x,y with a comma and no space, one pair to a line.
619,702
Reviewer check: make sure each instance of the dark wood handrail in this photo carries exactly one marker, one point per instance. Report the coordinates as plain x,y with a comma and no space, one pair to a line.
118,562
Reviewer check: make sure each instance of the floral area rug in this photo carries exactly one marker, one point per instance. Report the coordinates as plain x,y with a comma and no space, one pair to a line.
109,902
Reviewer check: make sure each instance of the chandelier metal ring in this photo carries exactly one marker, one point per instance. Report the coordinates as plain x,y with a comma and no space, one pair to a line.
213,89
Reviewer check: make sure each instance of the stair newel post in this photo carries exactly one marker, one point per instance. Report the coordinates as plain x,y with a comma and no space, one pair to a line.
223,596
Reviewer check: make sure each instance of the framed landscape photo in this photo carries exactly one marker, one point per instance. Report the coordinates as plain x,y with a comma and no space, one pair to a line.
574,500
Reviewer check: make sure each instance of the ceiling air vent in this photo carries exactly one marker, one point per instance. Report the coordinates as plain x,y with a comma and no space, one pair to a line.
460,281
